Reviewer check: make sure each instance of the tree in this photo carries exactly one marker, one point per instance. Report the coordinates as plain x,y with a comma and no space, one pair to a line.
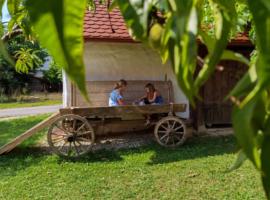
28,56
172,28
53,77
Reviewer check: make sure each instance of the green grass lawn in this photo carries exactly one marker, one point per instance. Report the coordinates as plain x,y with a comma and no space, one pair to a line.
194,171
10,129
29,104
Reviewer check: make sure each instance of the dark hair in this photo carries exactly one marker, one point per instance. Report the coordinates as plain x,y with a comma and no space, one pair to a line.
150,86
120,84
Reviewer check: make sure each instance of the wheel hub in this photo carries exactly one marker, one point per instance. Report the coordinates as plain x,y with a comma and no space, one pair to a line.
170,131
71,138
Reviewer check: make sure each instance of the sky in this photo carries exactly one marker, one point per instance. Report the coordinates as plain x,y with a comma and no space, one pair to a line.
5,13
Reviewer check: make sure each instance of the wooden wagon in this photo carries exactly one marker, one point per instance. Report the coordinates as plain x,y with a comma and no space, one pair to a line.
77,129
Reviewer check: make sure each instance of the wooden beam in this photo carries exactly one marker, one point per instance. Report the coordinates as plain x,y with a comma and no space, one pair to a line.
18,140
123,110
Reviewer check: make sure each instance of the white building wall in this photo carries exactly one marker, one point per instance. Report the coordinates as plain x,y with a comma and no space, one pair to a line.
108,61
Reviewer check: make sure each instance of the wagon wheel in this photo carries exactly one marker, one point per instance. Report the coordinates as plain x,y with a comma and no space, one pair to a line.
71,136
170,132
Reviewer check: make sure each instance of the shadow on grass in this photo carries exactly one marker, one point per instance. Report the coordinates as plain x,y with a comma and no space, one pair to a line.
24,157
194,148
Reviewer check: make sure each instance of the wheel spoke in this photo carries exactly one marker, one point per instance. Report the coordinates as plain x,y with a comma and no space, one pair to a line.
169,125
60,128
82,139
80,144
174,122
168,138
163,137
74,124
179,127
69,149
179,132
57,140
55,136
76,149
58,134
162,132
84,133
177,137
62,146
80,127
164,127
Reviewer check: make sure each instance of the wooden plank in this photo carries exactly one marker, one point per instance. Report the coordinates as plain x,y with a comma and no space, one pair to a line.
18,140
116,127
99,91
131,96
123,110
107,86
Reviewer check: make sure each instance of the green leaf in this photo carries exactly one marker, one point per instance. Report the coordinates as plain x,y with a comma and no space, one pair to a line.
245,131
230,55
4,53
208,41
132,12
183,44
266,164
225,15
59,26
13,6
266,3
262,25
246,84
241,158
113,5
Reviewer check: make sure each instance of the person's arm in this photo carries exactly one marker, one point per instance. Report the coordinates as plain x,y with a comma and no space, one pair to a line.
120,102
143,97
154,97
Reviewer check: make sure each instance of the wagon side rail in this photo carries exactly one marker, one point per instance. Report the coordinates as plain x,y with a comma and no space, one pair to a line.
122,110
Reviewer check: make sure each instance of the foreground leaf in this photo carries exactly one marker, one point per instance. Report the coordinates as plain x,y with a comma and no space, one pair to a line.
225,15
245,131
246,84
241,158
234,56
4,53
266,164
59,26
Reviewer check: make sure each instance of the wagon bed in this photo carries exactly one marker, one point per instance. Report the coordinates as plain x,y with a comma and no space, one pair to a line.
81,125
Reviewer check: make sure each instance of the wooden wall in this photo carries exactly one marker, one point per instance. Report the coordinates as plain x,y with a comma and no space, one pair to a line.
214,110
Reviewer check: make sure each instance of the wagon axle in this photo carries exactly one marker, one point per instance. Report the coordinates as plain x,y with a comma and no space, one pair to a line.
71,138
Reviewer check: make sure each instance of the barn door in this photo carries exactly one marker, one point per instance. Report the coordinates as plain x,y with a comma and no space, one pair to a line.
217,111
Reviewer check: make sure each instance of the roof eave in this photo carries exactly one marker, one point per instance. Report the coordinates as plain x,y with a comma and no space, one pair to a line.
122,40
130,40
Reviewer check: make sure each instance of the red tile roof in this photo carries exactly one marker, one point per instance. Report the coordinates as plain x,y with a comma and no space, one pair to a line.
105,26
102,25
241,39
